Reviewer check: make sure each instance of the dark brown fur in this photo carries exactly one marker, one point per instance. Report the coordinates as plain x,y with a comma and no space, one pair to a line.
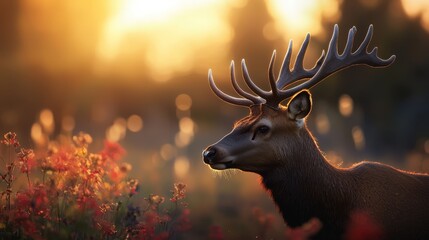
303,184
310,187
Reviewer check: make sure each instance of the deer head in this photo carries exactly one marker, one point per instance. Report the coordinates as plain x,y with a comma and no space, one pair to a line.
273,134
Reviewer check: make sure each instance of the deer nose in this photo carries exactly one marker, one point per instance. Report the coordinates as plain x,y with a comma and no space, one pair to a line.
209,155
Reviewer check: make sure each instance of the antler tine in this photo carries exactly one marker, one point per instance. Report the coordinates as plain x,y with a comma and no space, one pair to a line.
239,90
349,43
333,62
251,84
285,70
366,40
271,76
226,97
364,47
298,72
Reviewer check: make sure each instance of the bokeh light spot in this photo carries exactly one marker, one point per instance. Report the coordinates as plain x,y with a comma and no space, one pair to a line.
345,105
37,134
182,139
167,151
183,102
416,8
68,123
47,120
181,166
426,146
134,123
322,123
358,138
186,125
117,131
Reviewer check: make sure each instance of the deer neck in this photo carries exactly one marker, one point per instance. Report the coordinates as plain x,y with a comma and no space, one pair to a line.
308,186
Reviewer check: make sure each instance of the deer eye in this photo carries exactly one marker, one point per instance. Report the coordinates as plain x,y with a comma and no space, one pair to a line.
261,130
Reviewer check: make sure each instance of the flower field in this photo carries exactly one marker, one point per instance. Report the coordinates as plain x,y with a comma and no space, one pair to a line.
70,193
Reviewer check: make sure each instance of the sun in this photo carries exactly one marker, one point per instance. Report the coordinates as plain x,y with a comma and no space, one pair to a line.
168,35
295,18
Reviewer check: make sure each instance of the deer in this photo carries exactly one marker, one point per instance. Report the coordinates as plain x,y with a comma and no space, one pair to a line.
274,142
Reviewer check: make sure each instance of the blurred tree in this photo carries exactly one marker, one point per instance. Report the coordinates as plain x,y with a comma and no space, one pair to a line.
395,100
249,42
8,31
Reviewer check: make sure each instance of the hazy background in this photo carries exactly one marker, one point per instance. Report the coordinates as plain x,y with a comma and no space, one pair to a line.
136,72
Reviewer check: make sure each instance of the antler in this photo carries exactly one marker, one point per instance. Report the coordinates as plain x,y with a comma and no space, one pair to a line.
324,67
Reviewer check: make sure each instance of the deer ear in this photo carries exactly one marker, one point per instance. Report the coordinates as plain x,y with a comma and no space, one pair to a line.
300,105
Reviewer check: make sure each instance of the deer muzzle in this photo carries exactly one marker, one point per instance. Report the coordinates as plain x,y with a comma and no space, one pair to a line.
217,158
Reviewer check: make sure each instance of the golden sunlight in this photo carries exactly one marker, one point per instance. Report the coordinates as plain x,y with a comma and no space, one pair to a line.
418,8
294,18
169,34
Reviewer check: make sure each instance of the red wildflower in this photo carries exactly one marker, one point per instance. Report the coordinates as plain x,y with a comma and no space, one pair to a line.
183,222
264,220
125,167
19,215
106,227
79,187
305,231
40,201
178,192
154,201
216,233
113,150
10,139
363,227
147,229
82,139
26,158
28,226
115,174
133,185
60,161
89,203
97,159
22,201
162,236
151,218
